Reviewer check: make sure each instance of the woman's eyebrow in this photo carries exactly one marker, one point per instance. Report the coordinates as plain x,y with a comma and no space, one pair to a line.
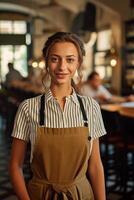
54,55
59,55
71,56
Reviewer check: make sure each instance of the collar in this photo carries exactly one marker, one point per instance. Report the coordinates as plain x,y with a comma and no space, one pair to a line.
72,97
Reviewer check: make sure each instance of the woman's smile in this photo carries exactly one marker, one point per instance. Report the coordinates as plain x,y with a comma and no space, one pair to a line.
62,62
61,75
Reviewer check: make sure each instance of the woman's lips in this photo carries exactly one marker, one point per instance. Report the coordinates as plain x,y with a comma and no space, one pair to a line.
59,75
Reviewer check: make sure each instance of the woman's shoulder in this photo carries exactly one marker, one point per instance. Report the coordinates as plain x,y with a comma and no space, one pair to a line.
88,100
31,102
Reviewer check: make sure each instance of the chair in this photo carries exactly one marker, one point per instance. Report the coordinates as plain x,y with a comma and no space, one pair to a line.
126,150
7,111
109,143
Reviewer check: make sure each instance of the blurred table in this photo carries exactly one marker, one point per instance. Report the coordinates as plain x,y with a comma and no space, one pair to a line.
126,108
111,107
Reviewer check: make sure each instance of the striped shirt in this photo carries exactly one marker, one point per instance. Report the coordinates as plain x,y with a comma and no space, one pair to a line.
27,117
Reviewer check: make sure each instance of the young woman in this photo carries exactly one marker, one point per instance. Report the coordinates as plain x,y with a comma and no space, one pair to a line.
63,128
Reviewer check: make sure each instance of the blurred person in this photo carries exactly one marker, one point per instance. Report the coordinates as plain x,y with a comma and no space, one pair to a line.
63,128
93,88
130,97
12,75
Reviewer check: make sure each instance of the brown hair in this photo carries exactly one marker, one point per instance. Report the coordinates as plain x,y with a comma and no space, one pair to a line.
64,37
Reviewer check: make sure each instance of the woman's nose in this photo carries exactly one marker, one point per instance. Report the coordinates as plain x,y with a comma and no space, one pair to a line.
62,64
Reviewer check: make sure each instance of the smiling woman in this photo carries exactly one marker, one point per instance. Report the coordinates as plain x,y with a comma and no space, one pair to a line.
63,64
63,128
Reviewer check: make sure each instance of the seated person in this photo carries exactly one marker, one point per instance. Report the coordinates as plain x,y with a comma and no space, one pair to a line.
93,88
12,75
130,97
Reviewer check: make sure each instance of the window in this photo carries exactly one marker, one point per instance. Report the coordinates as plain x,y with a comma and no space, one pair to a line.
13,27
101,63
14,48
16,54
104,40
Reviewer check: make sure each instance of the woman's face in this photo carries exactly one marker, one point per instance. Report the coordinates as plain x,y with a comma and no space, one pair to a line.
62,62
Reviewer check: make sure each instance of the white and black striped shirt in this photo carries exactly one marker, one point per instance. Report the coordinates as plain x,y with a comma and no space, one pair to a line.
27,117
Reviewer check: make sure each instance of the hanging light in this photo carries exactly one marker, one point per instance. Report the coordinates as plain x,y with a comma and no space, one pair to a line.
41,64
113,62
112,57
34,64
37,62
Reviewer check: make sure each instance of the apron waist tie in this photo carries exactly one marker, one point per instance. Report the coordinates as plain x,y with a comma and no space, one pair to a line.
59,191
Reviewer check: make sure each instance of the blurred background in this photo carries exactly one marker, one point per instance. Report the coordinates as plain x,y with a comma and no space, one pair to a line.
107,29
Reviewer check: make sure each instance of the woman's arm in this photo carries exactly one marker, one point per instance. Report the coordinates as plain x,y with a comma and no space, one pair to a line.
15,168
95,172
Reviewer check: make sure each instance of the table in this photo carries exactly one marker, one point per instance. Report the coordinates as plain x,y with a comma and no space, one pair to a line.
126,108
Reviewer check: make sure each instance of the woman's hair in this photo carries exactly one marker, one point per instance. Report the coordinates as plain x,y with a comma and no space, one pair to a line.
64,37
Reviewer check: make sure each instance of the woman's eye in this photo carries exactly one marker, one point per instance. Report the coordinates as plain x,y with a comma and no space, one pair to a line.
54,59
70,60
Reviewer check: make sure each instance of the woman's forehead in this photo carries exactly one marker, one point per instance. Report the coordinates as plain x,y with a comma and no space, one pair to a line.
68,48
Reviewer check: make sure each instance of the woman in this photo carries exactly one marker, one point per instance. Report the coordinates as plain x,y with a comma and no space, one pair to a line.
63,128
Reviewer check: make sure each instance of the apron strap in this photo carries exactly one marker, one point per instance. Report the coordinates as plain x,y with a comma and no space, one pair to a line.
42,108
83,111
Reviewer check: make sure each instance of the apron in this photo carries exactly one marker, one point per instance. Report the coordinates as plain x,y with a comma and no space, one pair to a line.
60,161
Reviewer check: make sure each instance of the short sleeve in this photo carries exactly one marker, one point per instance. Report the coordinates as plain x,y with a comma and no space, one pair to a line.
98,125
104,91
21,129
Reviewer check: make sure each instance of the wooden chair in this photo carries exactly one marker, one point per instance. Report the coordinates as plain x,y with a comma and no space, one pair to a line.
126,151
109,143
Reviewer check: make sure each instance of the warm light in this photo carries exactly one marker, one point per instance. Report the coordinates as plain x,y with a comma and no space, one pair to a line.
41,64
113,62
112,50
28,39
34,64
132,62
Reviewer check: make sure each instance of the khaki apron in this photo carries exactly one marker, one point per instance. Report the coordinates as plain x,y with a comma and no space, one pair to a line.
59,164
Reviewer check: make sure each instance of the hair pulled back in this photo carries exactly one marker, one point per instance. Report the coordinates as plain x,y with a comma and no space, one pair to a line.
64,37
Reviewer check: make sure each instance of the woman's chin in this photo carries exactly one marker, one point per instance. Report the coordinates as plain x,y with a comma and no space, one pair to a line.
61,81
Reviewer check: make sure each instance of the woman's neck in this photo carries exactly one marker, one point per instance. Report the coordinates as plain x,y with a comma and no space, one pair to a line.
61,91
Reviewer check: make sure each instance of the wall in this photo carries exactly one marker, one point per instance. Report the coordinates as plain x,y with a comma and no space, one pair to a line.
115,22
114,13
121,7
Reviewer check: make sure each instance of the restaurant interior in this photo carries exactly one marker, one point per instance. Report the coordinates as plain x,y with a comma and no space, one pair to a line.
107,30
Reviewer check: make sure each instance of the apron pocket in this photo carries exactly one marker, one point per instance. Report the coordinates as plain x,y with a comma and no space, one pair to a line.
35,191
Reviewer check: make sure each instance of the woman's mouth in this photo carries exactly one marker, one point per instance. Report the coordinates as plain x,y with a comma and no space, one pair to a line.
61,75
